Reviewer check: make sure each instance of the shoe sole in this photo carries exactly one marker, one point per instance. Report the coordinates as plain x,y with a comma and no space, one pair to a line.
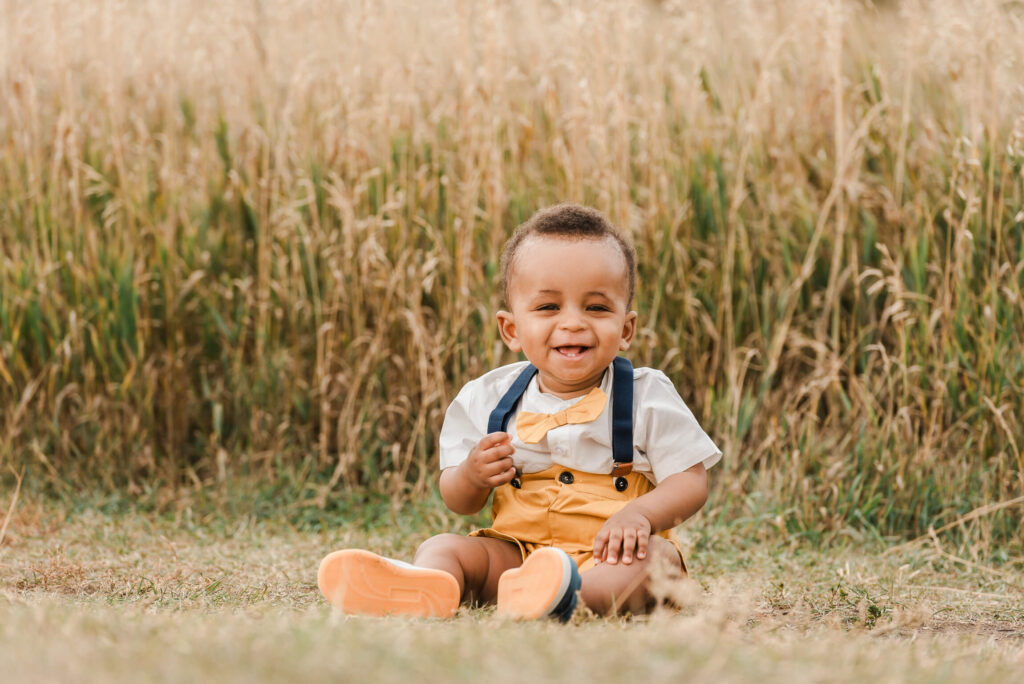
358,582
544,586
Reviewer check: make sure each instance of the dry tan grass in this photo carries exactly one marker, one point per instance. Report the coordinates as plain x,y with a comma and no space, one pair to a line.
93,598
97,643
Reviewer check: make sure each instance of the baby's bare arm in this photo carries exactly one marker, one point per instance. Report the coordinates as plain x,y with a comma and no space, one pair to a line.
465,488
628,532
675,499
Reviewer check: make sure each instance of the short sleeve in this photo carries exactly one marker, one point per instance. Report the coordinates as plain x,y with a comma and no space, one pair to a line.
460,432
465,421
667,431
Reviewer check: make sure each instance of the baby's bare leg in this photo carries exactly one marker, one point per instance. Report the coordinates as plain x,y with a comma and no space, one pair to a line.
623,588
475,562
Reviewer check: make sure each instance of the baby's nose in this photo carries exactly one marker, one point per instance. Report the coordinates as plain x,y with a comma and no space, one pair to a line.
572,321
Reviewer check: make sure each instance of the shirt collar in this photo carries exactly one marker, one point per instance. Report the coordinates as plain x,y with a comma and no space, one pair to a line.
545,402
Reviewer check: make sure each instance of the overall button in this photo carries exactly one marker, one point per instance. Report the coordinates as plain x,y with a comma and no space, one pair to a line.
621,484
516,483
565,477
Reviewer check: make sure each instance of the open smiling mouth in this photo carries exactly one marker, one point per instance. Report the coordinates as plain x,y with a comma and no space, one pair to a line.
571,352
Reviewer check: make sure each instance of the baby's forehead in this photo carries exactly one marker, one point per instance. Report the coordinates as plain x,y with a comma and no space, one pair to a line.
542,241
535,244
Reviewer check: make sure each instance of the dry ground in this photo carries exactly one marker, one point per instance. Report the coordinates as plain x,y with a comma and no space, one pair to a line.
86,596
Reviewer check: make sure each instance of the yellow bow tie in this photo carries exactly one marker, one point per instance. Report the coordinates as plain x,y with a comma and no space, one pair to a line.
531,427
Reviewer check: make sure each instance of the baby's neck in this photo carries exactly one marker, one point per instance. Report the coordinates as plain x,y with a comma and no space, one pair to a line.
569,394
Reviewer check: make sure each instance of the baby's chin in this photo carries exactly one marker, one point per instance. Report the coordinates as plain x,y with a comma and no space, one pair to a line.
570,381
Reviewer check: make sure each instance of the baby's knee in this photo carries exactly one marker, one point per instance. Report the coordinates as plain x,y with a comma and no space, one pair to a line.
444,544
662,552
659,546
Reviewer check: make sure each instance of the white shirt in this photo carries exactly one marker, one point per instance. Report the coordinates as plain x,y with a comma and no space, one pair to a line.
666,437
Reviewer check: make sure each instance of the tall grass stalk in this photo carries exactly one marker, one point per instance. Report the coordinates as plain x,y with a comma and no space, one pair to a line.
255,238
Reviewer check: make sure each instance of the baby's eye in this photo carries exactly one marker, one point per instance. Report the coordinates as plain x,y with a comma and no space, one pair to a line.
598,307
547,307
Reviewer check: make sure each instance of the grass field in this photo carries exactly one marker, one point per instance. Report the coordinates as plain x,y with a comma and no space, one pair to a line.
248,254
86,596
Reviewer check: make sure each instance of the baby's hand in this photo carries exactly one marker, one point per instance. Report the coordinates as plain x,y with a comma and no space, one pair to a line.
490,462
624,535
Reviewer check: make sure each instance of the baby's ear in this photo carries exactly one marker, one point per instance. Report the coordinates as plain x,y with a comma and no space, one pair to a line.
628,331
507,329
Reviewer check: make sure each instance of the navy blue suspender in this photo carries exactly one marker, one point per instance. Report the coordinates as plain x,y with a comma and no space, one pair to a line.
622,411
503,411
622,416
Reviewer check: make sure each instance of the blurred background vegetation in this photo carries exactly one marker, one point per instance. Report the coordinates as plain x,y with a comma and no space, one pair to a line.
257,242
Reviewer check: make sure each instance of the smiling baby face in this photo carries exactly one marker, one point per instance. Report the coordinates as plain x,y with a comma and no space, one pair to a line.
568,300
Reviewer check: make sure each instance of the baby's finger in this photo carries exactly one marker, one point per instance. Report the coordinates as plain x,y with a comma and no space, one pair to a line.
493,439
501,478
628,545
600,545
643,538
498,451
614,546
497,467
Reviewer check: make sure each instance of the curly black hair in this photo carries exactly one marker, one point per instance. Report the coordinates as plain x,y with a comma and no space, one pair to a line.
571,221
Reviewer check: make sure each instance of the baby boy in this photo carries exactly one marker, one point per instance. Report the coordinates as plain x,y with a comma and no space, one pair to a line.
591,462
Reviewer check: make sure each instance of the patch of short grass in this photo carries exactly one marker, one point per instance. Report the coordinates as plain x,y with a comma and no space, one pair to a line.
95,597
47,640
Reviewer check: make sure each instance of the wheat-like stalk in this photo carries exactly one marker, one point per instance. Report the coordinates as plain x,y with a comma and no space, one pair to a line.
262,237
